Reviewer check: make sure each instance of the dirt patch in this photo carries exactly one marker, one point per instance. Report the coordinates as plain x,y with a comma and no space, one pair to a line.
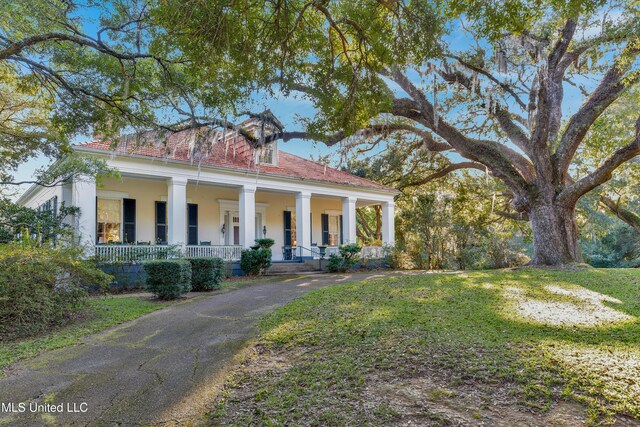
433,401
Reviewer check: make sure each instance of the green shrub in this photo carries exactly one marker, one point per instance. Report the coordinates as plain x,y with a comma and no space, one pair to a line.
206,273
255,261
265,243
43,287
346,260
334,264
168,279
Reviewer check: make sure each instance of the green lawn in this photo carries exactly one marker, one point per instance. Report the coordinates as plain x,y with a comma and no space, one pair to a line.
102,313
536,347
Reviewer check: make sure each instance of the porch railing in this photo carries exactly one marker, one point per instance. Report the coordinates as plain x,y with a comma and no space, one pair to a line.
368,252
373,252
227,253
126,253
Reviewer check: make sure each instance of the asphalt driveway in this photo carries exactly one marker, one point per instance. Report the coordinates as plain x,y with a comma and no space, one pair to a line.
160,369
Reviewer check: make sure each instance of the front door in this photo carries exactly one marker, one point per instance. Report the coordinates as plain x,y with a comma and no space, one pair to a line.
232,223
290,241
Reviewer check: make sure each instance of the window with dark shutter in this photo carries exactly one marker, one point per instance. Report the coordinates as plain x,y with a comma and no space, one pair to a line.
192,224
129,223
341,233
161,223
325,229
287,228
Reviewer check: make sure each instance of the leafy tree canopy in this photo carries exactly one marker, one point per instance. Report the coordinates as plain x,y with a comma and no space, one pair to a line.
70,69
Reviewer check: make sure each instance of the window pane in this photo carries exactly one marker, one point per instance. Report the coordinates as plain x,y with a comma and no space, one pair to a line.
266,154
294,238
109,220
334,230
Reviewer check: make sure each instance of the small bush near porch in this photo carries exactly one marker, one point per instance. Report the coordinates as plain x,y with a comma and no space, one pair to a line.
168,279
206,273
504,348
255,261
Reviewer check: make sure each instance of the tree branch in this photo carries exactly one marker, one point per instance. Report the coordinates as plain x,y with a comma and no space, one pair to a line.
502,161
561,46
513,131
570,195
631,218
505,87
518,216
609,89
443,172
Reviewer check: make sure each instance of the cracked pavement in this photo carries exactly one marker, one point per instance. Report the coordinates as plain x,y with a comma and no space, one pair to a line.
164,368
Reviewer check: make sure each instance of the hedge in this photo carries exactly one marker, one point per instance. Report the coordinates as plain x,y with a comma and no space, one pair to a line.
168,279
206,273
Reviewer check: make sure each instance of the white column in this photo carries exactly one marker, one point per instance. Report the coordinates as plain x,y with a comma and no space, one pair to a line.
177,211
247,208
388,223
83,196
303,222
349,219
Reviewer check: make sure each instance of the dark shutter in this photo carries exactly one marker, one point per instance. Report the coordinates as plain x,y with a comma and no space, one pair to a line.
97,230
325,229
341,234
161,223
287,228
129,210
310,228
192,224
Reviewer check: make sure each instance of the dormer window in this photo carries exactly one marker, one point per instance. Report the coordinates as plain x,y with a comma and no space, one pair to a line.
267,154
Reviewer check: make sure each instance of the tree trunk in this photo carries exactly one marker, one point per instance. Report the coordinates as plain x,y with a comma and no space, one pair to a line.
555,235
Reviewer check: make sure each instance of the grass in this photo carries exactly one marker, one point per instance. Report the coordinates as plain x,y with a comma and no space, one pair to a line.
436,348
103,313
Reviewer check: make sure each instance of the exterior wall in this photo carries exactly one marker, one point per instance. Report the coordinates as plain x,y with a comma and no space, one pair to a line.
42,194
278,203
146,192
319,206
206,197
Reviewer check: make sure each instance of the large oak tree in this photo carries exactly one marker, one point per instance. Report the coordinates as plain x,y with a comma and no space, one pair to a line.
510,87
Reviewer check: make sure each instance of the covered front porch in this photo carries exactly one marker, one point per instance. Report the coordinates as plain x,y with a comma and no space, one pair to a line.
138,217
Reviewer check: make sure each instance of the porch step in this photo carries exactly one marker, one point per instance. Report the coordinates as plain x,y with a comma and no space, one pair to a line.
293,267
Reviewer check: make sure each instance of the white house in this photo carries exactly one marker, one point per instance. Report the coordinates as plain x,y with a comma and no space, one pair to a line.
214,199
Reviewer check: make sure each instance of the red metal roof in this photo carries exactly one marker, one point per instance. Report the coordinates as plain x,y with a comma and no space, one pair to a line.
235,153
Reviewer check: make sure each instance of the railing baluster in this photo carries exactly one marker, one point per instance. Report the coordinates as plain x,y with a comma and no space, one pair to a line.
115,253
